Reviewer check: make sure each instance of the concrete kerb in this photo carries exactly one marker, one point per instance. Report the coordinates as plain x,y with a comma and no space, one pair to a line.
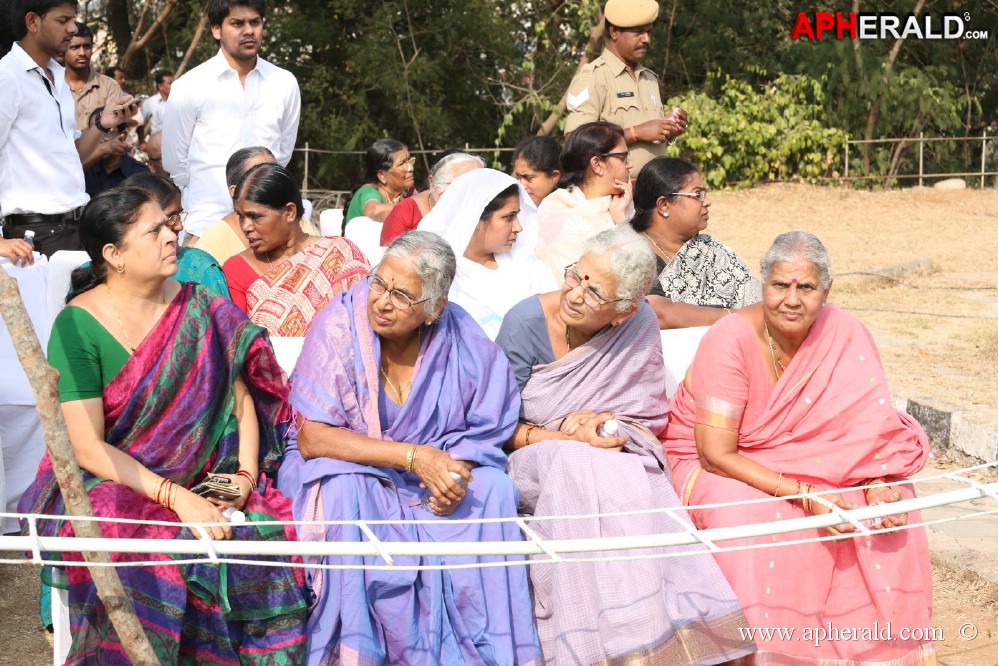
967,545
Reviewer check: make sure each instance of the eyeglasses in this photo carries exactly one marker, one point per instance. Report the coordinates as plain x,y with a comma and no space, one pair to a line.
622,155
699,195
410,163
400,299
177,219
589,297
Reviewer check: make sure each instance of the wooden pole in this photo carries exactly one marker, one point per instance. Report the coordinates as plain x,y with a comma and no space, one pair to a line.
44,385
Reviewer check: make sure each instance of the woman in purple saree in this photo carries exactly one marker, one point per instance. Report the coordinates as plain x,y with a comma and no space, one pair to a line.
201,393
404,405
583,356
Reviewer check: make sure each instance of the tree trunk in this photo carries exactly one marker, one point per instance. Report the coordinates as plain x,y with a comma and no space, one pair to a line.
43,380
871,118
202,24
595,37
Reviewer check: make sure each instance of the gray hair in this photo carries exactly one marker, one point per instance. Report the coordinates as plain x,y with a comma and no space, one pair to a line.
235,167
433,260
441,174
631,260
798,246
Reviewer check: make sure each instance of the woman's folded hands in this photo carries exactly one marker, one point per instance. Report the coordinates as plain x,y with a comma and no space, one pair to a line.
437,470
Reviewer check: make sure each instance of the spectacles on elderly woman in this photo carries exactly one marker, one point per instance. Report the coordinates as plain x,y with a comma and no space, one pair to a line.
589,295
699,195
407,164
400,299
176,221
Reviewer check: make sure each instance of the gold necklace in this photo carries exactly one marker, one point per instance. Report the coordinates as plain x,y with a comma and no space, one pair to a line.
777,359
667,257
398,391
568,341
118,317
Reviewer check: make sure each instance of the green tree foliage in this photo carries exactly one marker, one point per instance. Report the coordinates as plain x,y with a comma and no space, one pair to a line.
747,133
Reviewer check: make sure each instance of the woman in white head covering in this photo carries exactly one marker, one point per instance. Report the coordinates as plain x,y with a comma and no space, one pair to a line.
490,222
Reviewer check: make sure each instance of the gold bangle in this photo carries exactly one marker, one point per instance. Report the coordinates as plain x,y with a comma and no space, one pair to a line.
526,436
634,135
410,457
806,500
779,480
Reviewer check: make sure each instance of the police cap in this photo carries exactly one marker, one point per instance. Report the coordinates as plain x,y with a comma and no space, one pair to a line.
630,13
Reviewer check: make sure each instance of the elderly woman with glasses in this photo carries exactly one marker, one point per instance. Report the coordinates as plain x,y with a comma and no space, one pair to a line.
699,279
583,356
594,194
404,406
389,173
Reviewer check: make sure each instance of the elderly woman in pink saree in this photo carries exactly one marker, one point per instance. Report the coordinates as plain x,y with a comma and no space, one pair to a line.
581,356
787,397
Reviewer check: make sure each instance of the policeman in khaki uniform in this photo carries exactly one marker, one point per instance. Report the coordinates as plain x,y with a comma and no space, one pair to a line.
616,88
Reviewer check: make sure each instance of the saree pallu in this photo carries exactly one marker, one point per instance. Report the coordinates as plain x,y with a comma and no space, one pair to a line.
463,401
661,611
286,300
706,272
170,408
829,422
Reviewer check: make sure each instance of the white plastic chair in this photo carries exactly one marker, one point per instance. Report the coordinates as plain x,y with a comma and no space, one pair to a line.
331,222
287,351
61,266
366,233
679,346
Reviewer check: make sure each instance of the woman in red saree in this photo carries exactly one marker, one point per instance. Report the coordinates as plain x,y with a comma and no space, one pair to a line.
286,276
787,397
161,384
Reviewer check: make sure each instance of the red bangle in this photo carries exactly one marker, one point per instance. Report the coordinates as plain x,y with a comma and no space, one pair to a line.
159,490
248,476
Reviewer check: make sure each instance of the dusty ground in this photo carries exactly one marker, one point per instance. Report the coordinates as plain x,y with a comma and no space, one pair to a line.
937,329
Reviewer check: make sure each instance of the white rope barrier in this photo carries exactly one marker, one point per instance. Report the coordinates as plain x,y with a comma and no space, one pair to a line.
688,540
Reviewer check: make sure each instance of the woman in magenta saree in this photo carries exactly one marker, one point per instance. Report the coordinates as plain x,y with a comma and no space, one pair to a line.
201,393
447,403
786,397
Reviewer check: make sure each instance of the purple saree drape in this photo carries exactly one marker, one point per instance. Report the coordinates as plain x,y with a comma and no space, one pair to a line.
464,401
671,611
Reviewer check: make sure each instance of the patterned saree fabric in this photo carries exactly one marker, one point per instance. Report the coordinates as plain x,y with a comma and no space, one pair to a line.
286,300
170,407
828,421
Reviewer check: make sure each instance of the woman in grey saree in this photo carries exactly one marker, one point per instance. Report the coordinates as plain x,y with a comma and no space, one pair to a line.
581,356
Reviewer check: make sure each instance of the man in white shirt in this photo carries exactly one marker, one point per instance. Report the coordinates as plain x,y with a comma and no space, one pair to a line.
154,107
236,99
41,174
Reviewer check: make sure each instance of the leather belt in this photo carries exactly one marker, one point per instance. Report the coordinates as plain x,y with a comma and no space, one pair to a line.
24,219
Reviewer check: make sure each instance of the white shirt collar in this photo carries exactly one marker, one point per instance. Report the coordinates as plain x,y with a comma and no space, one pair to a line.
219,66
29,63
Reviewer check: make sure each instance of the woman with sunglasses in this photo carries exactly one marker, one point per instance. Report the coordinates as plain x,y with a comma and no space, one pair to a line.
404,407
594,194
583,356
699,279
389,174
